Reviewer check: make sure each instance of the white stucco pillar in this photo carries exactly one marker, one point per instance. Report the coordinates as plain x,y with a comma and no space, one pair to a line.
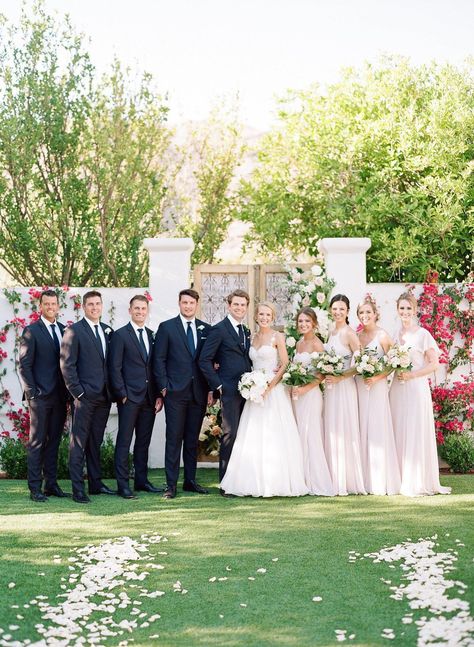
346,264
170,265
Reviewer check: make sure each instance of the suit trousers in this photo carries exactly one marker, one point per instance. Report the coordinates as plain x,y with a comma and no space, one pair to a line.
87,433
184,417
138,416
47,418
232,407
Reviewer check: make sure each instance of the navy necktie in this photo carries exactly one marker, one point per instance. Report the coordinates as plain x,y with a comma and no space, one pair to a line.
190,336
55,337
142,344
241,335
96,326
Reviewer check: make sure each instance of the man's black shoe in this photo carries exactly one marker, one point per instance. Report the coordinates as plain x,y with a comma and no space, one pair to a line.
80,497
126,493
170,492
192,486
38,496
148,487
56,491
103,490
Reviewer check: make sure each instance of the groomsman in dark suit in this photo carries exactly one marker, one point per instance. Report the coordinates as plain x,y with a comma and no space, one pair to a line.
134,388
227,347
47,397
84,353
185,391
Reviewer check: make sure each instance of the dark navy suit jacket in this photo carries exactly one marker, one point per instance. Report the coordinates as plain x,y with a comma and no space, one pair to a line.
175,368
39,362
83,367
224,348
131,374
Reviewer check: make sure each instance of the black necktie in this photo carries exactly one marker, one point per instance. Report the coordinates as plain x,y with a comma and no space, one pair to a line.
190,336
96,326
55,338
241,335
142,344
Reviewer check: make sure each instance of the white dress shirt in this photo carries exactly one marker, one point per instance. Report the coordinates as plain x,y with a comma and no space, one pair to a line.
193,327
145,335
48,325
101,332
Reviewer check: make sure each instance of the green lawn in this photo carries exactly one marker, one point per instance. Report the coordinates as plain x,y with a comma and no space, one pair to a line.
208,535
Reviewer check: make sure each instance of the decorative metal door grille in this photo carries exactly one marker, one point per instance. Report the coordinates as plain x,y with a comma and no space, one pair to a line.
262,282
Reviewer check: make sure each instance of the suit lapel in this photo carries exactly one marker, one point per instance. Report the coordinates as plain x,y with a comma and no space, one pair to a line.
150,343
181,333
45,331
134,339
91,334
233,334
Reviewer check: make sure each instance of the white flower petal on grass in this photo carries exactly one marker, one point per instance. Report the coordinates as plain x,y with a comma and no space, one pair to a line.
242,604
317,598
261,570
212,579
11,585
228,568
222,579
252,579
425,586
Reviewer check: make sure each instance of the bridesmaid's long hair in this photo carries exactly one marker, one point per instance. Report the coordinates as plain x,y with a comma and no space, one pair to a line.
344,299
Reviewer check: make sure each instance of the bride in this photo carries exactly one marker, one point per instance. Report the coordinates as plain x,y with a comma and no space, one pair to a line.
267,458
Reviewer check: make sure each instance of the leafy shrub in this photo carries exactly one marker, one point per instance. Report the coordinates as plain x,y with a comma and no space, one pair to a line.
458,452
13,458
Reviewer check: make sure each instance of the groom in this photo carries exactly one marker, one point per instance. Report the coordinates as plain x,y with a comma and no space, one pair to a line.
227,346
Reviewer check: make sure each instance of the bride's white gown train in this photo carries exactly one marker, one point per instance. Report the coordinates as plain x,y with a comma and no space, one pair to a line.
267,459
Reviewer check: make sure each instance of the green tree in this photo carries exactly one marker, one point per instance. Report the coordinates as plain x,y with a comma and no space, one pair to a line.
82,168
215,151
388,152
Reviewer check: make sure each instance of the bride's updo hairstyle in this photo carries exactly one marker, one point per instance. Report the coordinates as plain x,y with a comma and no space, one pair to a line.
410,297
265,304
369,300
344,299
309,312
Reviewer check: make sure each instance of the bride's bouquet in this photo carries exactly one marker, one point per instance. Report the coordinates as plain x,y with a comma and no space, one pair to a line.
367,363
299,374
253,385
328,363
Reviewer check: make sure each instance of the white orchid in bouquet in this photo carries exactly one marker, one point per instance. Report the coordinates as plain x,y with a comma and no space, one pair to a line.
308,288
252,385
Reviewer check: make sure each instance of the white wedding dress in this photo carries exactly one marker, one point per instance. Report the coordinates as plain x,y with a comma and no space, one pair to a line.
267,459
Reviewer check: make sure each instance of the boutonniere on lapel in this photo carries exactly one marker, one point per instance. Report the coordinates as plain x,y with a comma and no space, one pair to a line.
107,331
201,327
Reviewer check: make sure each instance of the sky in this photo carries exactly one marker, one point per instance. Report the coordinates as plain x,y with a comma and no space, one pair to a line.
203,51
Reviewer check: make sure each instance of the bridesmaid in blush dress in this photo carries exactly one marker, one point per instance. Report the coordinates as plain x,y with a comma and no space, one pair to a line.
379,454
308,406
341,413
412,407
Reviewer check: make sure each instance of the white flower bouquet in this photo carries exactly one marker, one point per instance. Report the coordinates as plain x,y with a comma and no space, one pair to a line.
328,363
253,385
398,358
299,374
367,363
